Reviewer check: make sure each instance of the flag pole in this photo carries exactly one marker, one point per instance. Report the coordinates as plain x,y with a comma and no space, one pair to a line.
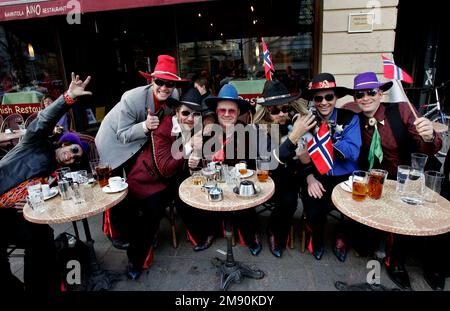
406,98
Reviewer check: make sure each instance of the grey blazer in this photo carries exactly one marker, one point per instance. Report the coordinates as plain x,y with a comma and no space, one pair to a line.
121,134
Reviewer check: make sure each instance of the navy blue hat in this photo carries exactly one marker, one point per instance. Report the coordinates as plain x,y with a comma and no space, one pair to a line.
228,92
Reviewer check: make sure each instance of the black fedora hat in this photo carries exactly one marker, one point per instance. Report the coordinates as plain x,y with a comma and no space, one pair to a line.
325,81
275,93
191,98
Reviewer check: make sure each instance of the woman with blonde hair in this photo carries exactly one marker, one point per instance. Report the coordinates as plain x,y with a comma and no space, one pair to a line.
280,109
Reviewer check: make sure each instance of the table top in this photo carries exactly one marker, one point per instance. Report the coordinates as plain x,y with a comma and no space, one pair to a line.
4,137
393,215
193,196
59,211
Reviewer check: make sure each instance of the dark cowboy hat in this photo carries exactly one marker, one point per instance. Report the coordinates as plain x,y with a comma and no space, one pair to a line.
325,81
369,80
275,93
191,98
166,69
228,92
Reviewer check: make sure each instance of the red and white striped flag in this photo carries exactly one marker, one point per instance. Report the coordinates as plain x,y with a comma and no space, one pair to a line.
320,149
392,71
269,68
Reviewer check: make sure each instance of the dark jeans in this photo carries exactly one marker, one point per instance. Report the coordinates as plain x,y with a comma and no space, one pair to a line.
281,216
40,267
316,210
145,217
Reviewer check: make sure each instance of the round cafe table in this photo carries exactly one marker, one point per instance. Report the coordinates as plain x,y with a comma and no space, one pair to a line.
16,134
231,270
391,214
58,211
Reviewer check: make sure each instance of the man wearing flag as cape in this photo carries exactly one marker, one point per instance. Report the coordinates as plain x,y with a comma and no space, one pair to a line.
390,132
334,151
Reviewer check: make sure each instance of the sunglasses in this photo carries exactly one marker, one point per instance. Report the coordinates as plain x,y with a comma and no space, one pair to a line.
319,99
160,82
360,94
275,111
194,114
223,111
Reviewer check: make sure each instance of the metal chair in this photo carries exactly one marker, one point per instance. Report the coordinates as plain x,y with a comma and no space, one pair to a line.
12,122
30,118
93,152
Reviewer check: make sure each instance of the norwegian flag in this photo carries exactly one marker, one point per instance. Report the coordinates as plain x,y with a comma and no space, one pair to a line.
392,71
268,65
320,149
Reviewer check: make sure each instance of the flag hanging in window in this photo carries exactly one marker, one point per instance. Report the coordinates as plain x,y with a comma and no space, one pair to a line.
268,65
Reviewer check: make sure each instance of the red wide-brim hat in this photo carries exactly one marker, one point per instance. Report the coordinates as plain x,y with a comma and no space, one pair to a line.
166,68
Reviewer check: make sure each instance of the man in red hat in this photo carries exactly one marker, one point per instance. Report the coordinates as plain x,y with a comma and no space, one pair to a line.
125,129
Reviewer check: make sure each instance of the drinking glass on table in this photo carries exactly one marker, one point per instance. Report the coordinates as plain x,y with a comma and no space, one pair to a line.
402,175
35,196
376,182
433,183
103,171
262,168
62,172
359,185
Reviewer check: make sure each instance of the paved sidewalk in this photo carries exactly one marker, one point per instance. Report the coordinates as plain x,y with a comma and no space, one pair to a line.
182,269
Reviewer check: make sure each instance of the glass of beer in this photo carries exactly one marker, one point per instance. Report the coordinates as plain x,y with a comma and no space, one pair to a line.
375,183
262,169
242,167
359,185
197,177
103,171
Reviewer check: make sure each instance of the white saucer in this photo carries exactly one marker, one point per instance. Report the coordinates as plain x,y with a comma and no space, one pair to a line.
346,186
53,191
107,189
248,174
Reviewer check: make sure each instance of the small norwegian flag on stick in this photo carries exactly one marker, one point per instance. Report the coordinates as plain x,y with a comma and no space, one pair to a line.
269,68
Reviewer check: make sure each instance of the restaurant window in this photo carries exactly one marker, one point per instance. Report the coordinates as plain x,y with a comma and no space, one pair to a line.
208,51
29,66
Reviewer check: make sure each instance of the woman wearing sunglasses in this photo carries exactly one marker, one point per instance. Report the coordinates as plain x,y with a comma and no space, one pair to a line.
153,175
278,107
343,126
34,159
125,129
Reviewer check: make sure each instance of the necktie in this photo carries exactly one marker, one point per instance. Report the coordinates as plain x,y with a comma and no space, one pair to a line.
375,147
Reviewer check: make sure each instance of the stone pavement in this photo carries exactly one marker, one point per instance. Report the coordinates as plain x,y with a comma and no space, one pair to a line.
182,269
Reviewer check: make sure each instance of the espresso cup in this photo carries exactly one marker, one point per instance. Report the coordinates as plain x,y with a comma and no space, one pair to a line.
115,183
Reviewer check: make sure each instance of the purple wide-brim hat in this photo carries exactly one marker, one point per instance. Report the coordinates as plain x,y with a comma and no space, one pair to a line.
369,80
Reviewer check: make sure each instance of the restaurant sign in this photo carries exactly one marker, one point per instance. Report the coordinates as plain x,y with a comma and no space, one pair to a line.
22,109
24,9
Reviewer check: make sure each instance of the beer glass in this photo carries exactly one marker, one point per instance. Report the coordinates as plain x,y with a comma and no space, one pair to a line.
359,185
376,182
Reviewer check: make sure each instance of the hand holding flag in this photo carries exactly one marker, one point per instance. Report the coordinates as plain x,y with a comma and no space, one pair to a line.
320,149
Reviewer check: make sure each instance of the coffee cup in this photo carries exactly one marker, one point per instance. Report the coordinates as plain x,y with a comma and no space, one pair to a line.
115,183
46,190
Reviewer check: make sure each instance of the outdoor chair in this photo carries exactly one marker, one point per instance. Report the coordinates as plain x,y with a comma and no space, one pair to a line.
11,122
30,118
93,153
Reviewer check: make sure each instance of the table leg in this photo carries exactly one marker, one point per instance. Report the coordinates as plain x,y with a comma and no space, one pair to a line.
231,270
99,279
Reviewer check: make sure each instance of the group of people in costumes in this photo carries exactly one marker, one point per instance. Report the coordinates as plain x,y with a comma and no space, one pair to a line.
136,138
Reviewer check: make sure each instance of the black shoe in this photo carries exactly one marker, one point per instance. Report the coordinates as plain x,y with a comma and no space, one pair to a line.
318,253
132,272
255,248
119,243
340,249
204,245
399,276
436,280
274,248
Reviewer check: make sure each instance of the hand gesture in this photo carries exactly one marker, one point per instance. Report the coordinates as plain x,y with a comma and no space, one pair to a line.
193,161
315,187
77,86
152,121
302,125
424,128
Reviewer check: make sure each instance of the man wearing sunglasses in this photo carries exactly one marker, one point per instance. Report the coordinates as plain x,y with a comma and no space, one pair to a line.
343,126
125,130
390,133
152,176
34,159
